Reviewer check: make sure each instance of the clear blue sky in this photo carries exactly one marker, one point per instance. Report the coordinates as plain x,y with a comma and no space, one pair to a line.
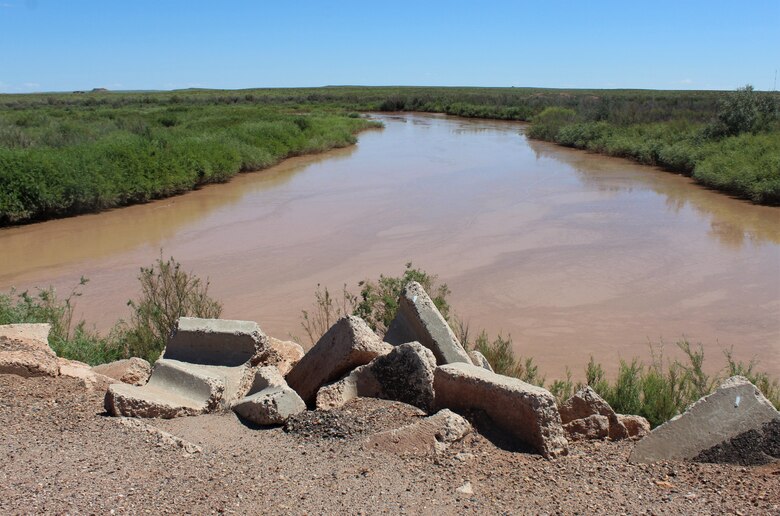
58,45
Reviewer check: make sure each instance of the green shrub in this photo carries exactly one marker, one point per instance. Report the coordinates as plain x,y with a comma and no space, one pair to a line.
167,293
548,123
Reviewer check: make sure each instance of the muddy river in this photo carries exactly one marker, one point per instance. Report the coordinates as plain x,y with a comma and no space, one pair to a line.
573,254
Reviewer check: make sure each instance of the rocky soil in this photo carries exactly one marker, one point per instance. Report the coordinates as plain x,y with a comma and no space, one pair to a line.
60,453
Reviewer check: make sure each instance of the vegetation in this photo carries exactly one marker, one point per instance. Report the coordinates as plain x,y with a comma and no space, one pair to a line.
62,154
57,161
657,391
167,293
737,150
376,302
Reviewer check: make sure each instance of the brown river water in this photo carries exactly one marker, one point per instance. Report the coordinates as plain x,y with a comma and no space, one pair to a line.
571,253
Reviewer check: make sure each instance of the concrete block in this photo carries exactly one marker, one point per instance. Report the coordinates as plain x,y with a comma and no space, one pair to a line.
736,407
526,411
419,320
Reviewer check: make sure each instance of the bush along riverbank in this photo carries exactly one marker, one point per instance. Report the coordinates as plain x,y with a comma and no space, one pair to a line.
57,161
737,151
69,153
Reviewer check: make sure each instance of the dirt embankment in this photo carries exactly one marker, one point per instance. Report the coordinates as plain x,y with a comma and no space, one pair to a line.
61,454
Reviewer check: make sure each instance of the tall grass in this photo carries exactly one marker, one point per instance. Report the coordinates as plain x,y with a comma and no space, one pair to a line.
56,161
657,390
167,293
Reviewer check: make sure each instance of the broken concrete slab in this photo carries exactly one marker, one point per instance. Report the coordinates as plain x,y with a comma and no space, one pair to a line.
479,359
283,354
405,374
736,407
346,345
587,428
433,434
418,319
25,351
585,403
526,411
752,448
270,401
217,342
174,389
88,378
206,365
134,371
270,406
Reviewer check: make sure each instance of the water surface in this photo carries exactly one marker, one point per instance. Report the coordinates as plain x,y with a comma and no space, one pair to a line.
571,253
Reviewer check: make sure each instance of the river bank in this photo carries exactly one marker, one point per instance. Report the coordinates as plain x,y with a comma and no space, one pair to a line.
62,454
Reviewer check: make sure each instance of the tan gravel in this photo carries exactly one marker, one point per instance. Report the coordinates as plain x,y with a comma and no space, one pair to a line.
61,454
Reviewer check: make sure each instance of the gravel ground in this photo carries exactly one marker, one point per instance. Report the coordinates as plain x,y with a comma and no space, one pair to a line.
61,454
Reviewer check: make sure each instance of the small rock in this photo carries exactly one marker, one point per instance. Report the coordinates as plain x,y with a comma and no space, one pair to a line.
466,489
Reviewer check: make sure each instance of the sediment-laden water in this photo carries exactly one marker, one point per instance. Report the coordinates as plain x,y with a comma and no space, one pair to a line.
572,253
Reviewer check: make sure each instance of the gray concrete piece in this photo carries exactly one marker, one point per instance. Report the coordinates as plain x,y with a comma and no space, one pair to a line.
433,434
265,377
346,345
25,351
736,407
479,359
197,388
419,320
526,411
134,371
270,406
405,374
215,342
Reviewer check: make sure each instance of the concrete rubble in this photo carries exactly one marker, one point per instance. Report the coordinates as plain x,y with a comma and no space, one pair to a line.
735,408
419,320
135,371
585,403
85,374
25,351
269,401
349,343
479,359
404,374
431,435
283,354
207,364
526,411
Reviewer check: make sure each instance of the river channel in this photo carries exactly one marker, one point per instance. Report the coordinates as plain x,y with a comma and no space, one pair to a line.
571,253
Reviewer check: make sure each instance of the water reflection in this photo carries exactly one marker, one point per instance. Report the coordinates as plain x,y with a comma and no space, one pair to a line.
733,223
56,242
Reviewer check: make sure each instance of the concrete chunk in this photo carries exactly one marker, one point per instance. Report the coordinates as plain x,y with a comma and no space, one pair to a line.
479,359
736,407
25,351
587,428
419,320
346,345
526,411
405,374
134,371
433,434
215,342
283,354
270,406
175,388
585,403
